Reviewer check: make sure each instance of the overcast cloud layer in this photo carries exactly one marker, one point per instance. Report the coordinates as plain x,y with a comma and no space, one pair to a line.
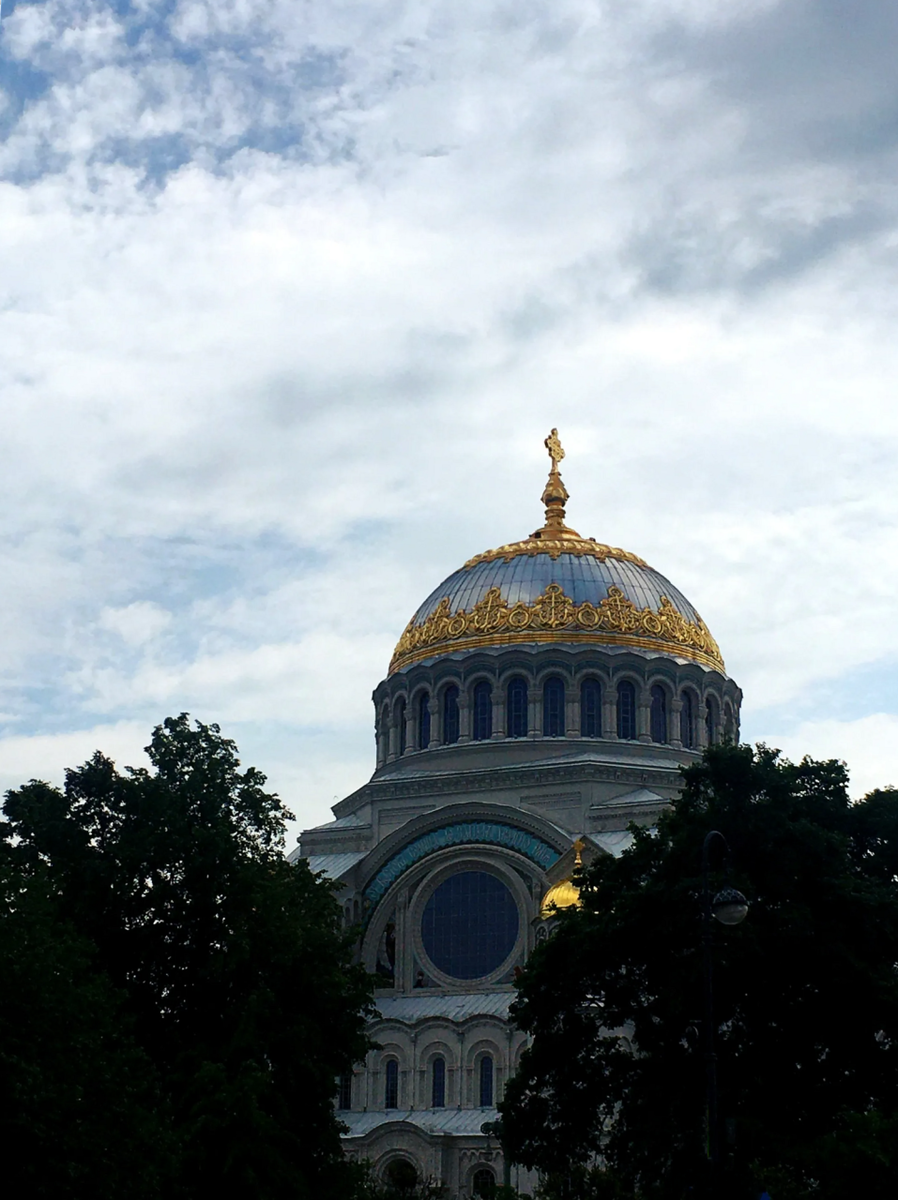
292,292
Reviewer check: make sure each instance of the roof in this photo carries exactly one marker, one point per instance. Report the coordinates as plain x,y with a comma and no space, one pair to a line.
462,1122
453,1007
615,843
333,865
352,821
571,598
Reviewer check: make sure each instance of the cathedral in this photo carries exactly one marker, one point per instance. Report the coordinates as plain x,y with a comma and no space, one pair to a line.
540,701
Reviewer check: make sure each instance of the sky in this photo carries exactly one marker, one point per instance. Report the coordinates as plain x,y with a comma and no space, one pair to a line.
291,293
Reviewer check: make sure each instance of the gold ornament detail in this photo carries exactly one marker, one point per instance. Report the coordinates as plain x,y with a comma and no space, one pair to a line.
553,445
492,621
554,537
576,546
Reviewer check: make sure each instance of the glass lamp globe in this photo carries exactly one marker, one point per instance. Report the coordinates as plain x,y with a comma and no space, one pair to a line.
729,907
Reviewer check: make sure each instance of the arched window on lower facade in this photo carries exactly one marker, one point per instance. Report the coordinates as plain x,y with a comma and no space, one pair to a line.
553,707
401,1178
486,1082
516,708
450,715
391,1084
483,1185
344,1091
423,720
438,1083
711,720
590,708
400,721
659,713
687,720
626,710
482,714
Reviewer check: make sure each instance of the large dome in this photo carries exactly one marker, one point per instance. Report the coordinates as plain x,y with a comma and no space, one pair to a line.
556,586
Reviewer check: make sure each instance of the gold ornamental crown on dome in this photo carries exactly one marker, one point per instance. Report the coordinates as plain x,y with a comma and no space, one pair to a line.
552,616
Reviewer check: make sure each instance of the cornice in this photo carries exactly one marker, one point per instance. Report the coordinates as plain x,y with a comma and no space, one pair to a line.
491,779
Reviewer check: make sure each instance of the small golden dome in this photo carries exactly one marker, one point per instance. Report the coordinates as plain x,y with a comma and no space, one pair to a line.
564,894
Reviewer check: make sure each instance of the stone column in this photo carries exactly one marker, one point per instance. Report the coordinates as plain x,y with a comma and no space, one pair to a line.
644,716
413,1074
380,745
434,709
534,712
701,732
571,711
498,700
673,724
464,717
609,713
392,739
411,740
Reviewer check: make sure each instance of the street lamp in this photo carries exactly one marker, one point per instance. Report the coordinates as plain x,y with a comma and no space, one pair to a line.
729,907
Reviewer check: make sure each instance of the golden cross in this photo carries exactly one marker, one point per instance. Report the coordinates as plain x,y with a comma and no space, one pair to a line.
553,445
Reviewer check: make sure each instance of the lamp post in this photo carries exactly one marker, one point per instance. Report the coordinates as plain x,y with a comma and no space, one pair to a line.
730,908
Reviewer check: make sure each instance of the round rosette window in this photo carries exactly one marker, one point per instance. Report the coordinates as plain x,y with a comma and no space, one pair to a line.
470,925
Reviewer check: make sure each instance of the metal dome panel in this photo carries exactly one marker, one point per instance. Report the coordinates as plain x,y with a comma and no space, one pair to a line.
524,579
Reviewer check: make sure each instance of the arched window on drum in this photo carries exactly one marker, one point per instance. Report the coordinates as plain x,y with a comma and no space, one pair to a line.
391,1084
450,715
516,708
438,1083
423,720
729,723
687,720
482,714
553,707
590,708
626,710
486,1081
400,723
711,720
658,713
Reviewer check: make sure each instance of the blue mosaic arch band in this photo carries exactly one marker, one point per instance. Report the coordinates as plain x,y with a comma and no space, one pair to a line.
465,833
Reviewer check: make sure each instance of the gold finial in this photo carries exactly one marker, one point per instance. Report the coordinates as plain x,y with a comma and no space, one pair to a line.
553,445
579,847
555,496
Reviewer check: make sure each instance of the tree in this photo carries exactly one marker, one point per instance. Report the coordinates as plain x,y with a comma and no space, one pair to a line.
78,1101
238,980
806,997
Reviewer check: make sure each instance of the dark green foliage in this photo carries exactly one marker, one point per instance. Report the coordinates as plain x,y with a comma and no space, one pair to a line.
77,1103
806,998
401,1183
238,984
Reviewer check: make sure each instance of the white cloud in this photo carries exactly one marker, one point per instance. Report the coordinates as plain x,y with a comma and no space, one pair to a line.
46,756
869,747
292,294
136,623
